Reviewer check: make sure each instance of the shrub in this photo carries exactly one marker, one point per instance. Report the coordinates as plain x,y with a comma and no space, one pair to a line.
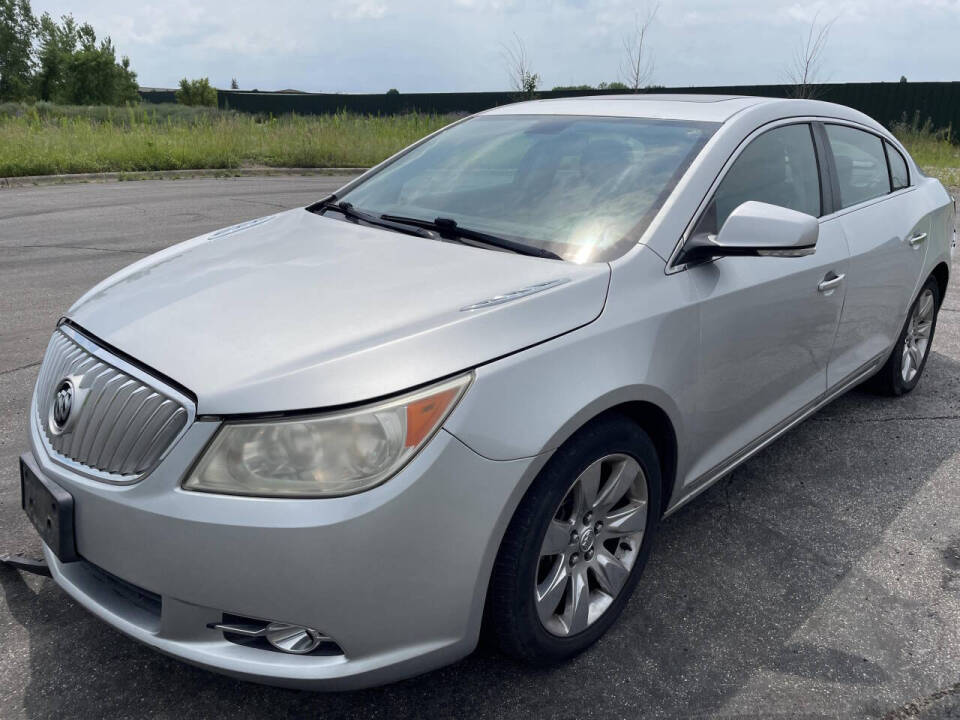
197,92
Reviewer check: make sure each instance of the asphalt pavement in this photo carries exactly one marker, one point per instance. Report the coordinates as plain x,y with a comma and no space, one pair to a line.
820,579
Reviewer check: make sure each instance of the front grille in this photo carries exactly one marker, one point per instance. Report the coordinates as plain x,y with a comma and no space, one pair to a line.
122,420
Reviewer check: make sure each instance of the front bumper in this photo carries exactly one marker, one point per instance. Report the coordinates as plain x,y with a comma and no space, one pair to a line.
396,575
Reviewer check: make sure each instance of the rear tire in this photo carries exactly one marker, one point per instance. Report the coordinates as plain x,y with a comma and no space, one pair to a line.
903,369
577,526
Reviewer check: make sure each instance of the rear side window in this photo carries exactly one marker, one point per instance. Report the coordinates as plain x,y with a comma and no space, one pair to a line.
779,167
861,164
899,176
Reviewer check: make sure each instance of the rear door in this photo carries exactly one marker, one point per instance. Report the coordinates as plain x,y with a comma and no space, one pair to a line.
767,327
887,240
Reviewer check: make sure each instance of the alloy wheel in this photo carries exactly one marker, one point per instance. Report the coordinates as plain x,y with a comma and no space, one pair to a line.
591,544
917,339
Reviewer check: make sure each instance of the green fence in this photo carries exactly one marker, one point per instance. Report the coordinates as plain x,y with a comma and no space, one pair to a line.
886,102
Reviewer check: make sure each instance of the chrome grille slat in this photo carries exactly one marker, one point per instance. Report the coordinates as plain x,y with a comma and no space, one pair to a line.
142,448
115,412
155,447
94,416
117,427
125,420
151,409
128,460
125,427
98,375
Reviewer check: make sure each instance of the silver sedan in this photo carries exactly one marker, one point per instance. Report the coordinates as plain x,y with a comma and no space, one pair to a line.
327,448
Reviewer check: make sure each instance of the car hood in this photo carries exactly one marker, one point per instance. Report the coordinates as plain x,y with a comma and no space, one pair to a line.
297,311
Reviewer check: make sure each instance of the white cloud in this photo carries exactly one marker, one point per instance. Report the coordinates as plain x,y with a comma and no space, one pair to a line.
486,5
434,45
364,10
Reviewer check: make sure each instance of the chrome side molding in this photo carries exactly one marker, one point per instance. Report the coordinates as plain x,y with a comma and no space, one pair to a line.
727,466
515,294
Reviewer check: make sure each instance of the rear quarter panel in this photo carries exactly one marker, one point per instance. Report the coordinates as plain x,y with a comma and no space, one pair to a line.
939,206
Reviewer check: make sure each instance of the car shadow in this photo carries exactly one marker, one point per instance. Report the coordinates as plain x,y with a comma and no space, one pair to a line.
734,575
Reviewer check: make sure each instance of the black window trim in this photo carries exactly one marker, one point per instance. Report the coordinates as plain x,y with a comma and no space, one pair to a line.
886,159
831,201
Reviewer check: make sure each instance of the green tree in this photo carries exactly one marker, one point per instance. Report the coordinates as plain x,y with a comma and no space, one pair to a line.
17,28
197,92
76,69
393,91
56,44
95,77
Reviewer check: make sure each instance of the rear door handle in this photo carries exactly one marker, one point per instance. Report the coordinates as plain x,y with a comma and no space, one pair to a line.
917,239
830,281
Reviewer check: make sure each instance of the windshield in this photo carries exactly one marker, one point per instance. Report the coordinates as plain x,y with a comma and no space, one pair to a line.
583,188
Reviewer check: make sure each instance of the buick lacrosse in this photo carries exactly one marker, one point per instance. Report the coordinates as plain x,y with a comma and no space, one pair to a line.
326,448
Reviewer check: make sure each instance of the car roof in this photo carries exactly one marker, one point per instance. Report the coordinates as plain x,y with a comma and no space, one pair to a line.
702,108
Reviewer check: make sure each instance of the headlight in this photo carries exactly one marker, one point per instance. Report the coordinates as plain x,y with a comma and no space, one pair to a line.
324,455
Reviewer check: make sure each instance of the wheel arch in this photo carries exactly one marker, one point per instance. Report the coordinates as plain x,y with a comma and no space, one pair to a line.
656,423
941,273
653,417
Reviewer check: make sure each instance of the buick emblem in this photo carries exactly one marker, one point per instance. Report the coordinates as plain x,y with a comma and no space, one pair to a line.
586,540
63,405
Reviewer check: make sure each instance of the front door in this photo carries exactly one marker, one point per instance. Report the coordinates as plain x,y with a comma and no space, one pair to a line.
767,323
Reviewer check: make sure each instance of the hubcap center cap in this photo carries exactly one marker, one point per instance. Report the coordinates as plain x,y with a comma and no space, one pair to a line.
586,540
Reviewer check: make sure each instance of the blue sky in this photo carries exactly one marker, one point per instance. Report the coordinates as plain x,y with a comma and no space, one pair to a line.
420,46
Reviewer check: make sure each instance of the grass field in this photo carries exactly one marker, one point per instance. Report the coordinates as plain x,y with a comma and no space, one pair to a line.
933,150
45,139
51,140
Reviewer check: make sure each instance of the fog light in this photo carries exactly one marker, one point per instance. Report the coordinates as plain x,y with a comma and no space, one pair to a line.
283,637
293,638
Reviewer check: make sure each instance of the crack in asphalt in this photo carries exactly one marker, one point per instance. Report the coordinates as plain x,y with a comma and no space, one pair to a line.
252,201
84,247
915,707
22,367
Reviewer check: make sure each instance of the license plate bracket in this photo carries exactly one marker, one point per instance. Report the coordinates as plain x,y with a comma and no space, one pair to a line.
50,508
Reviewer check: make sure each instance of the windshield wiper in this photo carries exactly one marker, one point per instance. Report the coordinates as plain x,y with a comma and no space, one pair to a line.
450,228
347,210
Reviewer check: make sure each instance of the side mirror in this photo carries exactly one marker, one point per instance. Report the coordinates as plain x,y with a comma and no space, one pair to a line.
756,229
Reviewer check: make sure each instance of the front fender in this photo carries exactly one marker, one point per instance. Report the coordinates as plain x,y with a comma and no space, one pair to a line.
642,348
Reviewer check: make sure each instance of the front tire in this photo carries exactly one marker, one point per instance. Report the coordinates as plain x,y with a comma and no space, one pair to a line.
577,544
902,371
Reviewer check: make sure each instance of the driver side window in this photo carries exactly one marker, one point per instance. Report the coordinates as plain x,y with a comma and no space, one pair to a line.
779,167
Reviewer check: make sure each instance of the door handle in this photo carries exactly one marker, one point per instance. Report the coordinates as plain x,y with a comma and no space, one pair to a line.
830,281
917,239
